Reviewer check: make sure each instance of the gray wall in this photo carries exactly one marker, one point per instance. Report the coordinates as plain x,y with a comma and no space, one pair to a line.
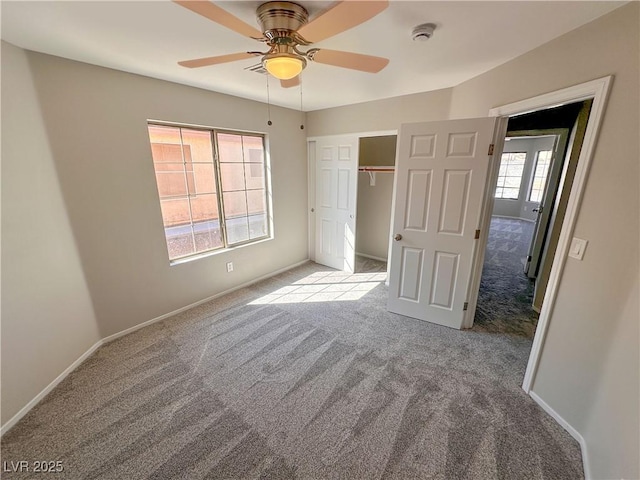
593,332
380,115
47,315
88,126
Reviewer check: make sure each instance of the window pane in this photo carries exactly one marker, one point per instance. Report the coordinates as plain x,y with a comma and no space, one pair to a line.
232,176
258,226
207,235
162,135
536,195
510,175
230,147
175,211
179,241
205,181
198,143
515,170
237,230
256,201
253,149
235,204
510,193
171,183
254,175
204,207
543,161
513,182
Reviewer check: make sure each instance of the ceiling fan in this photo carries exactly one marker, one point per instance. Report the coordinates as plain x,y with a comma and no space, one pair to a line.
285,27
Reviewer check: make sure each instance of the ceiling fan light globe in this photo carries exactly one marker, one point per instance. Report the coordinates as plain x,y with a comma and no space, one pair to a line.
284,67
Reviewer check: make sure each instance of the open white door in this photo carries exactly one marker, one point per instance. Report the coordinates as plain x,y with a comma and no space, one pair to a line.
336,185
546,206
441,173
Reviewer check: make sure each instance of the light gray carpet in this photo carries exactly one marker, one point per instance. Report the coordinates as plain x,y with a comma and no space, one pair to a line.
506,293
305,375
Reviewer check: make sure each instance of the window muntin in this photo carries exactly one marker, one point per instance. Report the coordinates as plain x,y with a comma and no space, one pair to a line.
209,201
510,175
540,173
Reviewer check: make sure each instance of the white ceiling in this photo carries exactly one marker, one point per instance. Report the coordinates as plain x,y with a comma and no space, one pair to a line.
150,37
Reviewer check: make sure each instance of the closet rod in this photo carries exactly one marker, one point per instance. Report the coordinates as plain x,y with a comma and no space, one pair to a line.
372,172
376,169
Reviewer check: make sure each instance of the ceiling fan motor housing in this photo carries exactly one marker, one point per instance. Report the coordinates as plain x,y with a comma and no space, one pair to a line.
279,19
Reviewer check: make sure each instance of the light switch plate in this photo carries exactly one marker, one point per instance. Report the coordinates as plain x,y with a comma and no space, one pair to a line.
577,248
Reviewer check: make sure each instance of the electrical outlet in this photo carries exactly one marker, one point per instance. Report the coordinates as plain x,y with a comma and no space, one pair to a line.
229,266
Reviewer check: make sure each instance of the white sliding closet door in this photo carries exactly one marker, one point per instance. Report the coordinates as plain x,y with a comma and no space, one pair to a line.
336,159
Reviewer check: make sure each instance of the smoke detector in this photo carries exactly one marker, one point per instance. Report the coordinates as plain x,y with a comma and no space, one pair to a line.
423,32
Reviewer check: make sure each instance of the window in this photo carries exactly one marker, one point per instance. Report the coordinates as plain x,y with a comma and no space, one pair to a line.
510,175
543,161
212,188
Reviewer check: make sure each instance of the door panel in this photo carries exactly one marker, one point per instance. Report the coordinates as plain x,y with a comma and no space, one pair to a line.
445,274
454,201
418,205
411,274
336,184
441,173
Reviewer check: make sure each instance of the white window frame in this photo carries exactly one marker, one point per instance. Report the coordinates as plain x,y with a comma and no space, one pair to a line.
226,245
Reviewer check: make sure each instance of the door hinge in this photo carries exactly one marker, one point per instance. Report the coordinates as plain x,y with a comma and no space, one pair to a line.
466,306
528,258
491,149
477,235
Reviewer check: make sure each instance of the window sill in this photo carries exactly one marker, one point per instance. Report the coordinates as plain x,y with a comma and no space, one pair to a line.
198,256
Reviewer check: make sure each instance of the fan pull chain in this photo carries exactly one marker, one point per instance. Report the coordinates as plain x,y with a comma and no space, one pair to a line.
301,111
269,122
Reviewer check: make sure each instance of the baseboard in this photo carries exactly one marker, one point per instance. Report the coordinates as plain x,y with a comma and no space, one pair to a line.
380,259
572,431
515,218
24,410
110,338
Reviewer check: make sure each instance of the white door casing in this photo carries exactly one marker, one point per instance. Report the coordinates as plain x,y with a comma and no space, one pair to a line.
441,172
336,159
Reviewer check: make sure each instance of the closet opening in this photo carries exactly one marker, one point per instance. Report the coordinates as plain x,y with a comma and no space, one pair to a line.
376,167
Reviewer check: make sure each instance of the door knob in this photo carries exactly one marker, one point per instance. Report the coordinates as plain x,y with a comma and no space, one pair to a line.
397,237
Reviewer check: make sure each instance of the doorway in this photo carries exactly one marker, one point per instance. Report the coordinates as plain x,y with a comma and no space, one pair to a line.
528,207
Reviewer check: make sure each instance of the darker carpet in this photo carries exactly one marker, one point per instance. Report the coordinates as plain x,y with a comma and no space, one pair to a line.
506,293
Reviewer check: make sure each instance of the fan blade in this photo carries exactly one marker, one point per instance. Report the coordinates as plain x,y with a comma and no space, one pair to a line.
341,17
354,61
292,82
218,15
205,62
